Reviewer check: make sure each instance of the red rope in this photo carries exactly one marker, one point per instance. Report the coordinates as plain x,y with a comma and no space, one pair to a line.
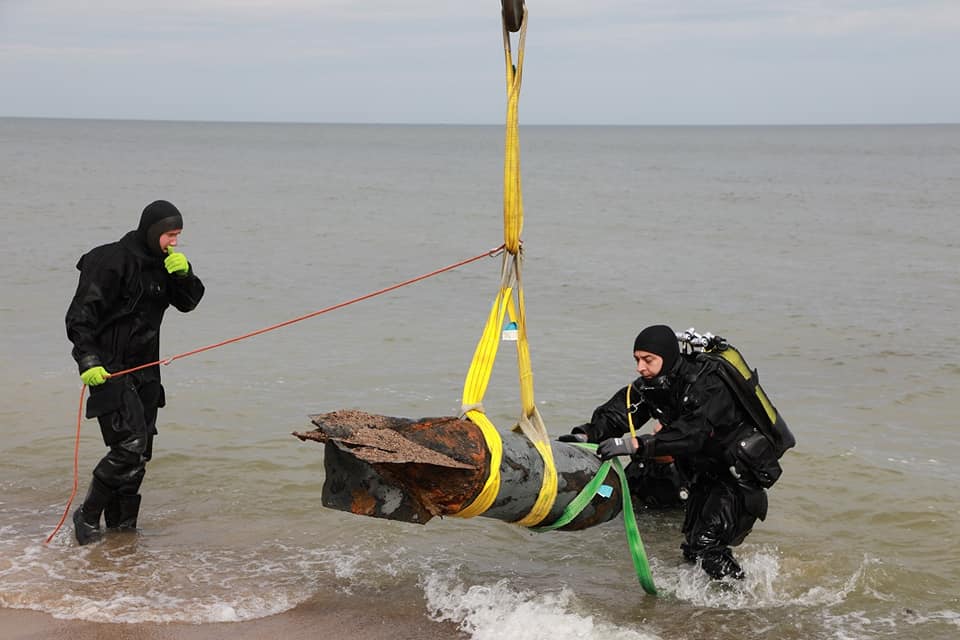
76,449
76,467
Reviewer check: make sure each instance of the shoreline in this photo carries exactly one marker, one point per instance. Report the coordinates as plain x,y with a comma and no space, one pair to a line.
357,619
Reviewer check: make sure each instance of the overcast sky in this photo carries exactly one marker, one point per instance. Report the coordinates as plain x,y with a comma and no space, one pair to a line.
441,61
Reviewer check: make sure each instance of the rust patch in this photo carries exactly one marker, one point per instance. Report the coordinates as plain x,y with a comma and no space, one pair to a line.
441,463
362,503
377,439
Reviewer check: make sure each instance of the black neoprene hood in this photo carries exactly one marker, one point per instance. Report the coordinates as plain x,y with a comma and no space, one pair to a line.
659,339
157,218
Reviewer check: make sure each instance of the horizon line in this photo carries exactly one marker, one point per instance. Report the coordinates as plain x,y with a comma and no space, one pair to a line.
472,124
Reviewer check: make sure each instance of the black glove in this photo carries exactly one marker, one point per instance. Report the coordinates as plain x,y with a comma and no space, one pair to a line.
576,436
613,447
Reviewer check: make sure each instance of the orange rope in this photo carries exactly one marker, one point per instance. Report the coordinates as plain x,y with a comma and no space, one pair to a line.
491,253
76,449
76,467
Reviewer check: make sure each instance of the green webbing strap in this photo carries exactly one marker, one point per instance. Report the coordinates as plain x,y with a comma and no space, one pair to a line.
637,552
579,503
583,498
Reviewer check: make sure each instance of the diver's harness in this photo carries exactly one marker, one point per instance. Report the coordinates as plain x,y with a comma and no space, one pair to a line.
758,452
659,383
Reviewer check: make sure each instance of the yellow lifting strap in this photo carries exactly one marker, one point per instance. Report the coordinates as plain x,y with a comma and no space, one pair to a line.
633,432
512,197
504,305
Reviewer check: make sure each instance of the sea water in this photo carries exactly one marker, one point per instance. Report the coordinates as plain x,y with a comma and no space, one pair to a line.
829,255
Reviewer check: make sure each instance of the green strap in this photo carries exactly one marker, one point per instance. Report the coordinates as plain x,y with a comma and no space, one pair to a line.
640,564
583,498
579,503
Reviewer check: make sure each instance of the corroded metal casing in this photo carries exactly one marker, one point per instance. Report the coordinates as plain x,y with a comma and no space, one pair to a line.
413,470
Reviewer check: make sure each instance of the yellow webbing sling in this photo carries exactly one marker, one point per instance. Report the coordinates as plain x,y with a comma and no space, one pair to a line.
478,376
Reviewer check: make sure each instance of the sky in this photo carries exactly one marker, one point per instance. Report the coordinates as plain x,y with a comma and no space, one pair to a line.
602,62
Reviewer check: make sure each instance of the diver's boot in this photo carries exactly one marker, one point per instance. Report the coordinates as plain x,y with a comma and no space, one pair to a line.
720,563
86,519
85,531
121,512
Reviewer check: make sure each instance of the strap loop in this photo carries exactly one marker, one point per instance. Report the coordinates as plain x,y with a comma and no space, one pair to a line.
637,553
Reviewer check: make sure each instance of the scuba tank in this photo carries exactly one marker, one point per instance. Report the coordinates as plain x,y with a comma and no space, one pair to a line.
745,384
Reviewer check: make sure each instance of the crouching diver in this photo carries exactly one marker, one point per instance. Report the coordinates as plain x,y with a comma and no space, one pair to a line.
113,322
708,427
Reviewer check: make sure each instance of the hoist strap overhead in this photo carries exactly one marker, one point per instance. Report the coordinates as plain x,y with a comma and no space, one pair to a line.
509,302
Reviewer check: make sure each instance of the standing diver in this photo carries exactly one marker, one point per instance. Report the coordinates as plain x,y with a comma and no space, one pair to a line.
114,324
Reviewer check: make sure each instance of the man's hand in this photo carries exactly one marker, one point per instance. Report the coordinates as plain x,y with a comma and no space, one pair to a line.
176,263
613,447
94,376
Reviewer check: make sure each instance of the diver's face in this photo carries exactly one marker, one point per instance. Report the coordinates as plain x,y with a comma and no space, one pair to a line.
649,364
169,239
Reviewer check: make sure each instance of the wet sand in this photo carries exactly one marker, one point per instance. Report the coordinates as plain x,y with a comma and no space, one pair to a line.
358,619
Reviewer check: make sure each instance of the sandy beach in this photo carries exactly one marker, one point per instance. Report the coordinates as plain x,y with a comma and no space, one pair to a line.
309,620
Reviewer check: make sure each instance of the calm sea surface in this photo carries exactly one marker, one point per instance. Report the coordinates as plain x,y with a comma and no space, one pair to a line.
829,255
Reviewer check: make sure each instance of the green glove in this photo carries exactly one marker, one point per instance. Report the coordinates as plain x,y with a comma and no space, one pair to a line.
176,263
94,376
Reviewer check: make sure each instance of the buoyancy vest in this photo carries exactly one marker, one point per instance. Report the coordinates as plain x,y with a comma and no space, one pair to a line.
745,384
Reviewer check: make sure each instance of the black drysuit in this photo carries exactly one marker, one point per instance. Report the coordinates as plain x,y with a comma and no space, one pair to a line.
703,424
114,321
655,483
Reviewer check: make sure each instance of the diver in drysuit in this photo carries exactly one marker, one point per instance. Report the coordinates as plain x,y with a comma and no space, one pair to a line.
114,322
713,440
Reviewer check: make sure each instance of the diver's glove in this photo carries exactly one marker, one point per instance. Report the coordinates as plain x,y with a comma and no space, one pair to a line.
176,263
613,447
573,436
94,376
